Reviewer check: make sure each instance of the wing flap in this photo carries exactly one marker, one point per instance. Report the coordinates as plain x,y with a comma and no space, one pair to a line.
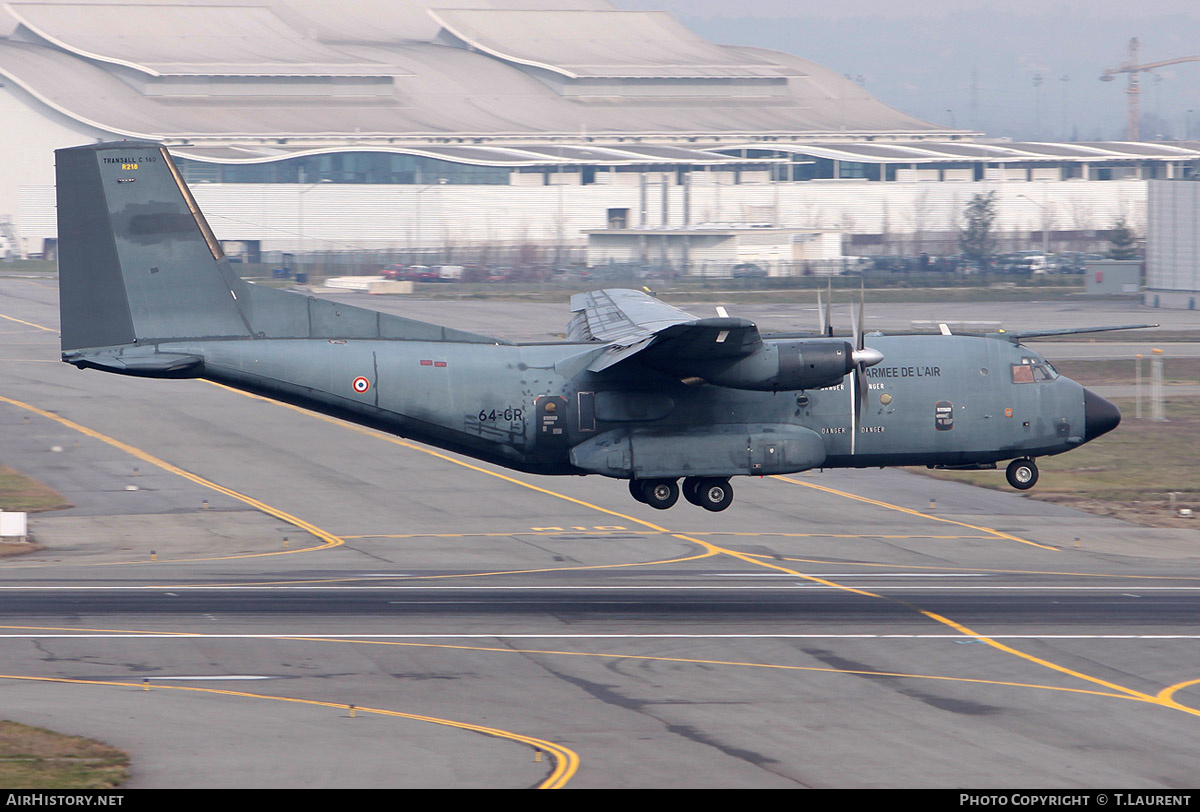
619,315
632,322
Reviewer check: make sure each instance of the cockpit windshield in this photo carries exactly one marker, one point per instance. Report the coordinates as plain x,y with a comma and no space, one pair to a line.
1033,370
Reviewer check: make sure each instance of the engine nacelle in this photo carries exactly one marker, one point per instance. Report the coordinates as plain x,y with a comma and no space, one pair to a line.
785,365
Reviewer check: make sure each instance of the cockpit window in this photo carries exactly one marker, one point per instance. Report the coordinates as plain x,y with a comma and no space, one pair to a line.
1033,371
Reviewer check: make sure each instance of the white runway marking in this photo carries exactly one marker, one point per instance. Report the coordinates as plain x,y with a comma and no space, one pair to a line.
800,585
858,575
317,636
200,678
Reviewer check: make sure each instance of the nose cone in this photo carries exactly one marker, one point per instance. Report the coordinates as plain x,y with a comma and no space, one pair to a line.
1099,415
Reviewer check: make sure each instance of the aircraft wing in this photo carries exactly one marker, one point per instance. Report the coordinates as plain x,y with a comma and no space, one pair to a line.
631,322
1017,336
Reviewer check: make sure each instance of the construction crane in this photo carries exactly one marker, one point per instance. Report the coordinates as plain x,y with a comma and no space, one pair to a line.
1134,90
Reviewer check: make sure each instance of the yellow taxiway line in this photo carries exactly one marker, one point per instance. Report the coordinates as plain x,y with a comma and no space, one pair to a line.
566,761
329,539
716,549
911,512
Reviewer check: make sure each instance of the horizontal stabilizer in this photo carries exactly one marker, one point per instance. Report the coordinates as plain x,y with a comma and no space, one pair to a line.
156,365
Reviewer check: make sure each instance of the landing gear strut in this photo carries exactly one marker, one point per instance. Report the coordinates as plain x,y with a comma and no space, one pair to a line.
1022,474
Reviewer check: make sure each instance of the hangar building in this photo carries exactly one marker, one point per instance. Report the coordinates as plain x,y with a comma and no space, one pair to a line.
308,125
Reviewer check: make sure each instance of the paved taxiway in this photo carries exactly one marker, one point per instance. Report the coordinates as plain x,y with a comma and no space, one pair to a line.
828,630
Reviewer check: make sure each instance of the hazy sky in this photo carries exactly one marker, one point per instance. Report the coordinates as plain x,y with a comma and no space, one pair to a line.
1022,69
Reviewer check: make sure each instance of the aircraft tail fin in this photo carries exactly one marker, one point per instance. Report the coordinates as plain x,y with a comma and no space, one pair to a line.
137,260
139,265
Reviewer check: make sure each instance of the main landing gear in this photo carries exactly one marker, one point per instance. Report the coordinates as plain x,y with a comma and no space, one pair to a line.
710,493
1022,474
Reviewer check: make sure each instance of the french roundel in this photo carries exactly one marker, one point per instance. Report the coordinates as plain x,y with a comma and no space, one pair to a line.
361,385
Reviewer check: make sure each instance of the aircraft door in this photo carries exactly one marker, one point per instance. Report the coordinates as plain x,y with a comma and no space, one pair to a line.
586,415
550,436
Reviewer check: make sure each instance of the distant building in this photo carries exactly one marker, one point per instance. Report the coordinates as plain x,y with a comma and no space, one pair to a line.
1173,245
324,125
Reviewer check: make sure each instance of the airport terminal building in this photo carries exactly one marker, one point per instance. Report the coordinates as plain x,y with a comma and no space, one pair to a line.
331,125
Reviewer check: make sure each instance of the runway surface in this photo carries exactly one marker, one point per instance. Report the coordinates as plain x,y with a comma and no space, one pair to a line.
493,629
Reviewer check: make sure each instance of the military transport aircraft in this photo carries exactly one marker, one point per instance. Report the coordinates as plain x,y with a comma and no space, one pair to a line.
639,390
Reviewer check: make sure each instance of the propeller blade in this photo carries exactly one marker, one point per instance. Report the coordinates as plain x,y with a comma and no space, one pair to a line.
863,357
860,403
855,410
828,318
862,317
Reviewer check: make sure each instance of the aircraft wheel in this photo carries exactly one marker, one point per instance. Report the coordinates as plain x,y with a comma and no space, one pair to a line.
660,493
714,494
691,490
1022,474
635,490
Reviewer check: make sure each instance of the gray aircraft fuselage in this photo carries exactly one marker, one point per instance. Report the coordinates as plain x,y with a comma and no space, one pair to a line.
642,391
952,400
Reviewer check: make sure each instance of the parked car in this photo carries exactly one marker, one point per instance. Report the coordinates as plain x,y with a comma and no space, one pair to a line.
1076,261
410,273
1023,262
748,270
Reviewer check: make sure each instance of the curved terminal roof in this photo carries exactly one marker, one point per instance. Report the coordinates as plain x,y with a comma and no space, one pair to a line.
351,72
515,156
197,40
600,43
397,20
927,152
